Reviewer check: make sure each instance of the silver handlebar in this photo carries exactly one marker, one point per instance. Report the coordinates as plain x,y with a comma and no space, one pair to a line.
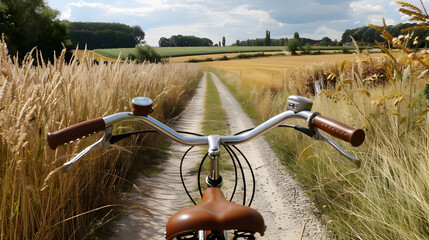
203,140
299,107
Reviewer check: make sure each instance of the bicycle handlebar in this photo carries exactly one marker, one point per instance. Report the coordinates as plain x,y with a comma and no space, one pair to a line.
355,136
83,129
75,132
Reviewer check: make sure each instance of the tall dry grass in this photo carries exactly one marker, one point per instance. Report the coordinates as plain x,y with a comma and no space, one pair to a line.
37,97
388,197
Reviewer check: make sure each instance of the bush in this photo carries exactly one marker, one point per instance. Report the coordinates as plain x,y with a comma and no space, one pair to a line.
345,50
145,53
307,48
293,45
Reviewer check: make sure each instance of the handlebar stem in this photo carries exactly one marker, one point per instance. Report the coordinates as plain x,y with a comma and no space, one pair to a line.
214,154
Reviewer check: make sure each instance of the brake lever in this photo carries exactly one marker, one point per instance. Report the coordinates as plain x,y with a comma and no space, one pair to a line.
102,142
319,136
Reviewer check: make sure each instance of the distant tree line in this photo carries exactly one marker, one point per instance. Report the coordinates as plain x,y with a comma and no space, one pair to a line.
368,35
104,35
184,41
30,23
268,41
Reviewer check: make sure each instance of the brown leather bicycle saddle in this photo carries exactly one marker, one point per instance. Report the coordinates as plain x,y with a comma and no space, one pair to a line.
214,213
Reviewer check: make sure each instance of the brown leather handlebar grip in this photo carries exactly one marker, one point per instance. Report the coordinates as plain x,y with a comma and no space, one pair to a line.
75,132
354,136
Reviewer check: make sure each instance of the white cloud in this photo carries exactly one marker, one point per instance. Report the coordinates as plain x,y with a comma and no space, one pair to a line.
324,31
238,19
245,12
197,29
66,14
365,7
147,8
378,20
85,4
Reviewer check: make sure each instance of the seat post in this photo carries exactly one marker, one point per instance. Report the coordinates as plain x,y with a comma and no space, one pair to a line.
201,235
214,179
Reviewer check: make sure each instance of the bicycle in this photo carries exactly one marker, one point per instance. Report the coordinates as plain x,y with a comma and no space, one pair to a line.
214,215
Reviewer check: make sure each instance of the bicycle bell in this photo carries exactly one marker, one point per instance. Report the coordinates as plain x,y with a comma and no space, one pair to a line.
142,106
298,103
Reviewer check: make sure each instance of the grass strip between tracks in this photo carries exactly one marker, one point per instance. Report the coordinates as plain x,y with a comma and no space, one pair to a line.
214,123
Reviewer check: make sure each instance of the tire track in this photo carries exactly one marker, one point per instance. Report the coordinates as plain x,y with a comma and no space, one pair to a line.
163,194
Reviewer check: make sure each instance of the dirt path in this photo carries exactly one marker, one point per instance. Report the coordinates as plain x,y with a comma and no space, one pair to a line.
163,194
278,197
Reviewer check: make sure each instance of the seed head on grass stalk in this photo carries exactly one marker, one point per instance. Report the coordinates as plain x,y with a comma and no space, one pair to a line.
37,97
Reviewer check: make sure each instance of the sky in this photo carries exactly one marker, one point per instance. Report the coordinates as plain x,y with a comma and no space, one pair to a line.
235,19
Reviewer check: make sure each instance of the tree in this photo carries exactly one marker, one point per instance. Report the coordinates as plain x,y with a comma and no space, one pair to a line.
307,48
296,35
326,39
184,41
267,41
223,41
286,41
369,35
164,42
104,35
31,23
293,45
138,34
237,42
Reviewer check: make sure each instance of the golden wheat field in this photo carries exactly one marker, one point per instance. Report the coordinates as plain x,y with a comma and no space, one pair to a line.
37,97
93,55
271,71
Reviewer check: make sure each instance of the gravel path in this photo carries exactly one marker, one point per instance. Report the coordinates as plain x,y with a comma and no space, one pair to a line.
163,194
279,198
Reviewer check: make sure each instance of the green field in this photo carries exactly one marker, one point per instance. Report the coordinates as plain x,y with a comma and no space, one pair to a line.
188,51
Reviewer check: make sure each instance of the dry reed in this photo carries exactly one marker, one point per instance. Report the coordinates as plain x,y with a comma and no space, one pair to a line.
388,197
37,97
